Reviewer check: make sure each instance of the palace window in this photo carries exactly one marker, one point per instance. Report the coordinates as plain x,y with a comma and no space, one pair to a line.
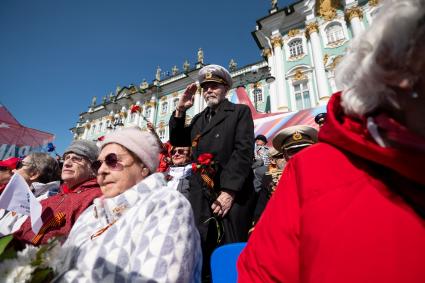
302,95
334,33
161,133
100,127
164,108
148,112
133,117
258,95
296,48
175,102
93,129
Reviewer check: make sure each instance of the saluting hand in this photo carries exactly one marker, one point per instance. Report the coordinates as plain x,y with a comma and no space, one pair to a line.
223,203
186,100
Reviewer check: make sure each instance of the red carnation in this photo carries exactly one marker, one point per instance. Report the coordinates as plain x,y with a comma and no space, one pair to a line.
194,167
135,108
101,138
204,167
205,159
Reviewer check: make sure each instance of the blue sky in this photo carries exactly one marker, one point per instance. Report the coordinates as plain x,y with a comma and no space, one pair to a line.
56,55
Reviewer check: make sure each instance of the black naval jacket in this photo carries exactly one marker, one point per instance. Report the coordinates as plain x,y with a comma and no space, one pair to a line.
229,136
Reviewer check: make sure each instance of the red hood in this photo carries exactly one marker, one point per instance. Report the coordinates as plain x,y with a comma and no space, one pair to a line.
88,184
350,134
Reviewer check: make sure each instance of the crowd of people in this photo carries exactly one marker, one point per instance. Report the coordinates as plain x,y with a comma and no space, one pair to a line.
345,203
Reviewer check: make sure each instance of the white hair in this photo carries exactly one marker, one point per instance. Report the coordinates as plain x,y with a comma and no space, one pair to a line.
381,57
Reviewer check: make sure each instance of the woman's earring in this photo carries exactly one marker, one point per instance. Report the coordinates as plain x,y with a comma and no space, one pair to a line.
414,95
145,171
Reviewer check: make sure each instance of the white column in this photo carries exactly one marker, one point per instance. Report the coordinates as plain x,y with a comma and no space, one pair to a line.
128,118
152,107
282,98
202,103
109,122
123,116
322,81
142,112
86,130
137,120
267,52
154,104
101,125
138,117
197,103
355,15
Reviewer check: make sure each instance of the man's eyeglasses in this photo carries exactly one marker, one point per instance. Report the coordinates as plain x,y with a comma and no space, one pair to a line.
73,158
111,160
180,151
21,164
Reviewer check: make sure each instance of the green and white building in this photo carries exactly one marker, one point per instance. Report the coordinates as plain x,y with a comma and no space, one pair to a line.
300,46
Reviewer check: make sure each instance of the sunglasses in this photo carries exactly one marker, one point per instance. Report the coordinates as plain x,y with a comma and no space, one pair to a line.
180,151
111,160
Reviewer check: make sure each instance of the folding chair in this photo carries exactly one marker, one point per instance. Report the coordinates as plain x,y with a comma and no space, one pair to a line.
223,263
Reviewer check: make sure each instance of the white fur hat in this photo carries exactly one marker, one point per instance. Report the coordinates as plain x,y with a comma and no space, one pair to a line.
142,143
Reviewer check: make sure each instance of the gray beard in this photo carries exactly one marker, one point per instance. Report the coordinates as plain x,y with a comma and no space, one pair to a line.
213,103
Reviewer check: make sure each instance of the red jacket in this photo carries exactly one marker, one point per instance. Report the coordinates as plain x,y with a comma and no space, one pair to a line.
164,158
72,204
335,216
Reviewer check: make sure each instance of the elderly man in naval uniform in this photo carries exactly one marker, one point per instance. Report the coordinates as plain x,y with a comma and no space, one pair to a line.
223,208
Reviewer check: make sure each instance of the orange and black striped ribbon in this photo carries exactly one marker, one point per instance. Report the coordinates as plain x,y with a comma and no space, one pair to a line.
56,221
100,232
195,141
207,179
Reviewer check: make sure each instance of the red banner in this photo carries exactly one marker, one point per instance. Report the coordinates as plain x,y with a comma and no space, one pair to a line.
18,140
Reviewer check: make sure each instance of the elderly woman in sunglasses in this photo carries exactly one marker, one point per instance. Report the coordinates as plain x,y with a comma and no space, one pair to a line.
77,192
180,170
139,230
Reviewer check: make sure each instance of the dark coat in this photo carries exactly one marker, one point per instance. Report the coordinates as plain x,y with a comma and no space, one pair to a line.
229,136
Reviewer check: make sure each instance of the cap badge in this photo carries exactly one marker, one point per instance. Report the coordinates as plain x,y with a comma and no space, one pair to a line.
297,136
208,75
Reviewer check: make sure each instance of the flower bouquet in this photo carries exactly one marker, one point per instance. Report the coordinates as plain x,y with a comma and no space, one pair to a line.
206,167
32,264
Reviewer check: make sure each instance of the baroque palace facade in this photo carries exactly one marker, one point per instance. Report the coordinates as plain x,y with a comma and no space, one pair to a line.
300,46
